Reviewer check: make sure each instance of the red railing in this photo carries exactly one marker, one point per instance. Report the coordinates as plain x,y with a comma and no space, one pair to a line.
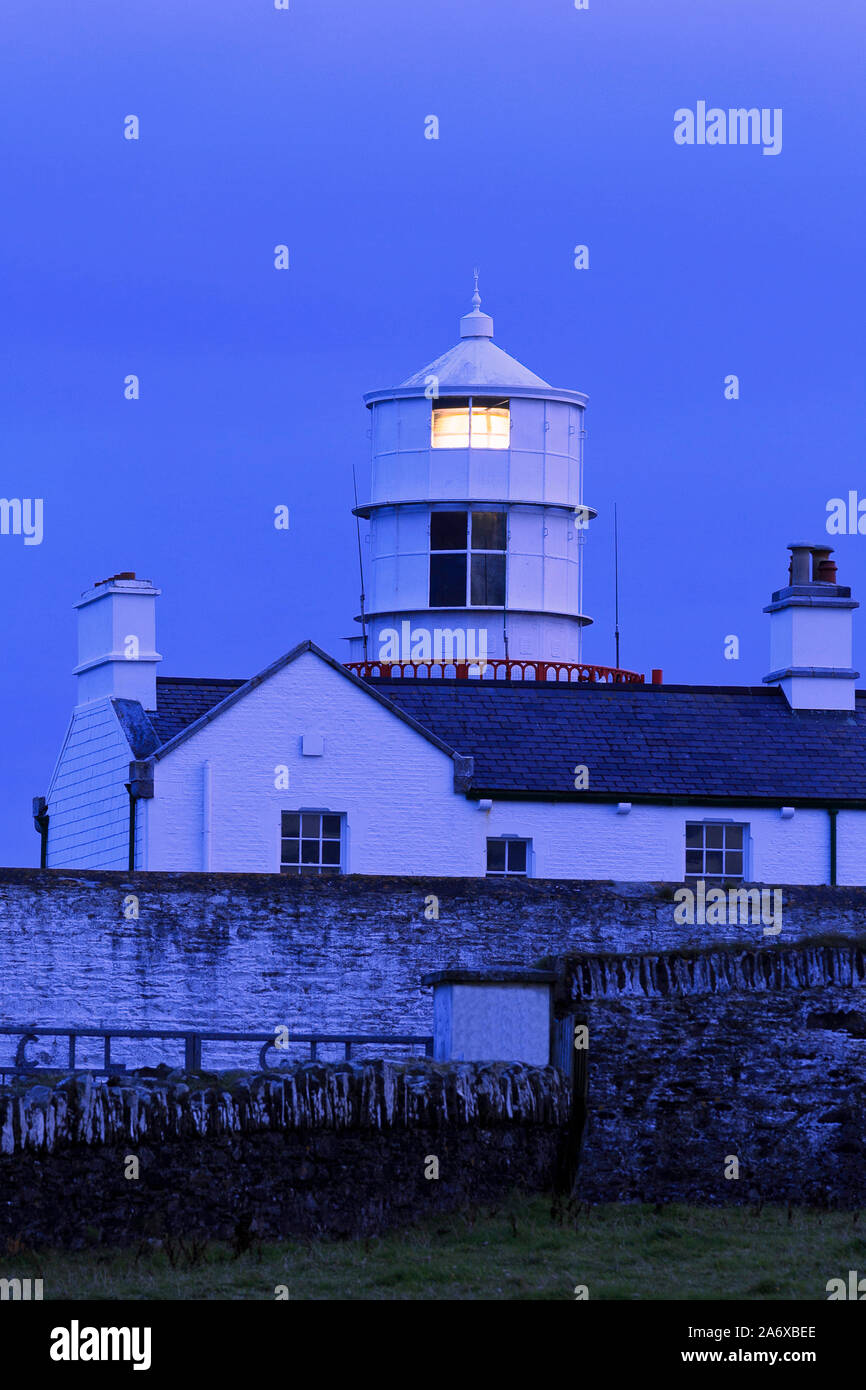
497,669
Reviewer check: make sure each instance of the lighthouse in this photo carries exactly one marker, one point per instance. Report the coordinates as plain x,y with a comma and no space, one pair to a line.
477,518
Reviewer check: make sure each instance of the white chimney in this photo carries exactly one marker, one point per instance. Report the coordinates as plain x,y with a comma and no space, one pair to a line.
117,641
810,633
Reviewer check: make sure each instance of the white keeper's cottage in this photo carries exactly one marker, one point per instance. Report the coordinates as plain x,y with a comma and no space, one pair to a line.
467,736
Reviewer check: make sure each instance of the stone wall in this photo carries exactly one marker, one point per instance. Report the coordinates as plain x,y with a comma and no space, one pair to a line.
336,1150
706,1042
250,952
697,1058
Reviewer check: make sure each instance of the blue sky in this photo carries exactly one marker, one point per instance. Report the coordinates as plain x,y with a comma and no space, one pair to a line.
306,127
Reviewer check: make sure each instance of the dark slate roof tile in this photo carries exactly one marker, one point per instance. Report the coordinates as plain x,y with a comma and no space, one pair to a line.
181,701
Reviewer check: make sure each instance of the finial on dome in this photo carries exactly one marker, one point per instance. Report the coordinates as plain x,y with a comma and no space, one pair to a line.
475,324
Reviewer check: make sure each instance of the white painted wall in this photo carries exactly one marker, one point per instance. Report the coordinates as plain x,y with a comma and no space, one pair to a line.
593,841
395,787
850,847
88,805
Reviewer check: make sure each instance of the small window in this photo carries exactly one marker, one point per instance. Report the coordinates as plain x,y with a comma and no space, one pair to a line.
715,850
508,858
311,842
464,423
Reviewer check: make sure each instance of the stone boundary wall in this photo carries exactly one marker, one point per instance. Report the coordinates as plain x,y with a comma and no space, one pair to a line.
248,952
715,970
320,1150
695,1059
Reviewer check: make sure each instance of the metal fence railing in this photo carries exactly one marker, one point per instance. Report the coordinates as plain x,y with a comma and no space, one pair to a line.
192,1039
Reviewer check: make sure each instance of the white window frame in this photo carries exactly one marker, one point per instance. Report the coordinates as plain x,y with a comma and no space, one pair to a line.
505,839
310,870
725,823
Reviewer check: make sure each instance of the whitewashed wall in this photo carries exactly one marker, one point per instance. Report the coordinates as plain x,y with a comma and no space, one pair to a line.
851,847
395,787
594,842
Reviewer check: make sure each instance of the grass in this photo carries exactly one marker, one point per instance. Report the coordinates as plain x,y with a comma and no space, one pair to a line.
529,1248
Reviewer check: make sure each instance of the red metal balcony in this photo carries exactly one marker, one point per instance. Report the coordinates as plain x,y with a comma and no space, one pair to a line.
497,669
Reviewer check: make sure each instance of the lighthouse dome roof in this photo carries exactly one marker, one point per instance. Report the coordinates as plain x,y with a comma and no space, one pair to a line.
475,366
475,362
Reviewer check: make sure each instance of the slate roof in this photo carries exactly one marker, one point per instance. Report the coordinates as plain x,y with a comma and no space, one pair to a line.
732,743
181,701
711,743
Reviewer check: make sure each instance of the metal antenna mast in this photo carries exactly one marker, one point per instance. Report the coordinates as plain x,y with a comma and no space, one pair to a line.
360,562
616,581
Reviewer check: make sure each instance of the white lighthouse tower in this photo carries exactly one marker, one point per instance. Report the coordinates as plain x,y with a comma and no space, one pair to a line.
476,518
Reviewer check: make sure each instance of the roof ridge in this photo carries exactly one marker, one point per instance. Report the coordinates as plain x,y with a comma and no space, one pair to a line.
202,680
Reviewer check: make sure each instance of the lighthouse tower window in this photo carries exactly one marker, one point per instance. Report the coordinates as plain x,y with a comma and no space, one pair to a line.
467,423
467,559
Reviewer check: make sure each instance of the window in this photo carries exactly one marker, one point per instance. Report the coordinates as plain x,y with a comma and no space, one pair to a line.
470,424
508,858
311,843
715,850
467,559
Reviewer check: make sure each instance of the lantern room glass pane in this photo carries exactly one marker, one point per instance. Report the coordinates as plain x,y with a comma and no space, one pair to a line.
490,427
451,427
462,424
